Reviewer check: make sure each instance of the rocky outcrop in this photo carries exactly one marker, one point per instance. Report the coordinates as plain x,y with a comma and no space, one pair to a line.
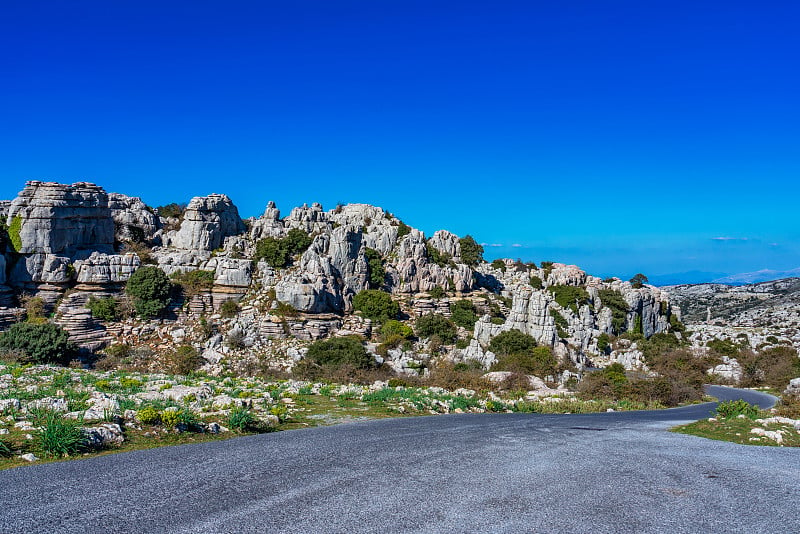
311,219
268,225
206,222
62,219
133,220
104,269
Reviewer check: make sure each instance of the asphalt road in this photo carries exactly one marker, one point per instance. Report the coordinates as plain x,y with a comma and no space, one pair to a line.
612,472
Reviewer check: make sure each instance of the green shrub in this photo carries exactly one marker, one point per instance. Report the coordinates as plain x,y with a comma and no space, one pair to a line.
105,309
38,343
604,343
150,289
511,342
773,367
171,211
614,300
724,347
736,408
393,327
229,309
149,416
572,297
658,344
241,419
499,265
14,233
278,252
57,436
439,258
341,351
402,230
184,360
536,282
538,361
638,281
547,268
438,325
462,312
437,293
471,251
376,305
377,272
562,326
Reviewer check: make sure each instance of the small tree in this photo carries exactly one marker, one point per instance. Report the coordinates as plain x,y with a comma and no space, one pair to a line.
471,251
38,343
105,308
511,342
462,312
638,281
377,273
150,289
435,324
341,351
376,305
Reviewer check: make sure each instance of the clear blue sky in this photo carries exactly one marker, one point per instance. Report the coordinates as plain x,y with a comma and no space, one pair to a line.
652,136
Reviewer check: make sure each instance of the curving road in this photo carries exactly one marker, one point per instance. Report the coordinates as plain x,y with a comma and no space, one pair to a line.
612,472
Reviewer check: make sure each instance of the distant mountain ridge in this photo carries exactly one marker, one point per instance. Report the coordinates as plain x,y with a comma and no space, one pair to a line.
739,279
764,275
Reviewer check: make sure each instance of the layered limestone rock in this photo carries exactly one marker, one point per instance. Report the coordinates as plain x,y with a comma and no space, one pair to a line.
311,219
413,272
268,225
206,222
379,230
446,243
133,221
104,269
62,219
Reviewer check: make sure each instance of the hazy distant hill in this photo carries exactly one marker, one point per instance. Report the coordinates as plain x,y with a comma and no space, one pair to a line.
764,275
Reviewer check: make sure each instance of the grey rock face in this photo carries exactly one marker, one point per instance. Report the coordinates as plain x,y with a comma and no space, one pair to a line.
447,243
311,219
231,272
42,268
132,220
102,268
61,219
207,221
268,225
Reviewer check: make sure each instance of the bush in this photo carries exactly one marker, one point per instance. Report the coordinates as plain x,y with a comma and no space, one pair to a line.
171,211
773,367
278,252
538,361
499,264
149,416
536,282
437,293
229,309
341,351
402,230
105,309
736,408
241,419
511,342
604,343
14,229
377,273
150,289
184,360
471,251
395,328
462,312
562,326
56,435
724,347
38,343
438,325
614,300
572,297
376,305
658,344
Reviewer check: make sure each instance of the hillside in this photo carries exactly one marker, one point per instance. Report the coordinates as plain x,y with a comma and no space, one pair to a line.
775,303
255,292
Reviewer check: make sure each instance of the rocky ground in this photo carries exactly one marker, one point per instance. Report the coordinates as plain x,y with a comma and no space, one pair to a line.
121,411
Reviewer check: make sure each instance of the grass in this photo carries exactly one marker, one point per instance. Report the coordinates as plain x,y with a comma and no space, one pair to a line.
738,430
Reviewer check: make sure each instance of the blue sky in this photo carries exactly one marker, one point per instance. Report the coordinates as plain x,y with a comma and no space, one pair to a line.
655,137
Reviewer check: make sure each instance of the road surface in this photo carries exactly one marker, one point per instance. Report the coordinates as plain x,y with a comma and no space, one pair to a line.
611,472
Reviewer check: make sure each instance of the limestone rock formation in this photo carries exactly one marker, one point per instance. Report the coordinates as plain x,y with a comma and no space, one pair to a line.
206,222
133,221
62,219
